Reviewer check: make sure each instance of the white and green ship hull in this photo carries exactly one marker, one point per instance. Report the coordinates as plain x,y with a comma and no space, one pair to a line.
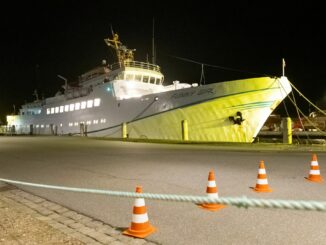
210,112
208,119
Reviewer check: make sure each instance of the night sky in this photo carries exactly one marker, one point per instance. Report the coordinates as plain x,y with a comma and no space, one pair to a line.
40,40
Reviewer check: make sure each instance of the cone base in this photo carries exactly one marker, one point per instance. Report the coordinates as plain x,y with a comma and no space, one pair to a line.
211,206
140,234
318,180
262,190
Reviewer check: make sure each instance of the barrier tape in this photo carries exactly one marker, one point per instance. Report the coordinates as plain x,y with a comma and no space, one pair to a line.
240,202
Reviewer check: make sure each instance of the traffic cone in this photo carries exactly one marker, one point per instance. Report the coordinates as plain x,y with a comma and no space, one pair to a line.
211,191
314,173
140,226
262,183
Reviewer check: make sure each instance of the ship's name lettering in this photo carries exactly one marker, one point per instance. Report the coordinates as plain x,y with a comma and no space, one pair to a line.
182,94
190,93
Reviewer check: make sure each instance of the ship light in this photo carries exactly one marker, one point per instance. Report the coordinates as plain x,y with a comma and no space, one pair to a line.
11,120
97,102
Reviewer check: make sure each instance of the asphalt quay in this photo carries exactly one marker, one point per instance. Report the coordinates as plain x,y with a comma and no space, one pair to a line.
175,169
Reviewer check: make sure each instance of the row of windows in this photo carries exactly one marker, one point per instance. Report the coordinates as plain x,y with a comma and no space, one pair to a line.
30,111
74,107
139,77
89,122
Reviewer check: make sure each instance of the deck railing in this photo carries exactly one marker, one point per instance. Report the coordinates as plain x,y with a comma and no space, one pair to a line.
136,64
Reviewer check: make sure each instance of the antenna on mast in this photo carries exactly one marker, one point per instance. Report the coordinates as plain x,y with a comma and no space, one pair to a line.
64,79
283,67
202,75
153,44
112,32
35,94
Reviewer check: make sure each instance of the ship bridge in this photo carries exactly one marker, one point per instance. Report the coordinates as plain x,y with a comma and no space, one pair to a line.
137,71
135,79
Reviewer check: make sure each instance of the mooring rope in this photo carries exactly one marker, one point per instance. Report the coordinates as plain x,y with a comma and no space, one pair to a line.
240,202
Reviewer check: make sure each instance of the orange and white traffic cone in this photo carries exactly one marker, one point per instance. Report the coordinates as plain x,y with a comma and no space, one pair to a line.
140,226
262,182
314,173
211,191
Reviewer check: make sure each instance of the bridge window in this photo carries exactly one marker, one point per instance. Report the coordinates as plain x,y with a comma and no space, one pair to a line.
152,80
48,111
145,79
77,106
61,108
57,109
138,78
129,76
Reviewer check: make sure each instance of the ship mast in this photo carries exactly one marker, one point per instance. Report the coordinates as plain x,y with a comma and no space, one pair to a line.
123,54
153,44
283,67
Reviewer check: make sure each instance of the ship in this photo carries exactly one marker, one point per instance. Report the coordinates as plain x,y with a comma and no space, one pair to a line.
129,99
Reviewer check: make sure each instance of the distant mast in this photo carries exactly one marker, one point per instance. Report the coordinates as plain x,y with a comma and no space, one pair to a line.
153,44
283,67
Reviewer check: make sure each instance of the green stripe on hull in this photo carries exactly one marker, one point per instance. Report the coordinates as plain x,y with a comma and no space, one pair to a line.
254,105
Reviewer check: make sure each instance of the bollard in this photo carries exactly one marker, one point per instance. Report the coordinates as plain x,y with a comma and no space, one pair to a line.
82,129
124,130
52,129
56,130
31,129
287,130
184,124
85,130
